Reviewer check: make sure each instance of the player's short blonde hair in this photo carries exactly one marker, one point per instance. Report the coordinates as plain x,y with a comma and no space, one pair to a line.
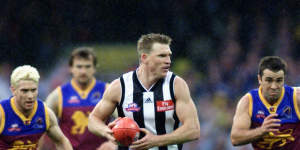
25,72
146,42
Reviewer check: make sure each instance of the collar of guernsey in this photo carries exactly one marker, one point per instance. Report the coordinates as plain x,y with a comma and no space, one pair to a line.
80,92
254,94
83,93
24,119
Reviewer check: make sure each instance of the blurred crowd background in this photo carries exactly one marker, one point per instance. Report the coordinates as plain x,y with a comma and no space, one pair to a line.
216,46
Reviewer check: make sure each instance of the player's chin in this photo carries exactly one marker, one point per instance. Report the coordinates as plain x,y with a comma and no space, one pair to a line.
83,80
163,75
28,107
273,97
164,72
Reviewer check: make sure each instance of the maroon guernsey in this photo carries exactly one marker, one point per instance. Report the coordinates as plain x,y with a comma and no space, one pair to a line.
288,137
75,107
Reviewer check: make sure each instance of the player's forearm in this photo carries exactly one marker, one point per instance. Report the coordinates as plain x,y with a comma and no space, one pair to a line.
181,135
245,136
95,125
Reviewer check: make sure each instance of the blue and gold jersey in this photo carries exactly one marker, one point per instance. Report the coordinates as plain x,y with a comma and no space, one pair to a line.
75,106
286,107
18,131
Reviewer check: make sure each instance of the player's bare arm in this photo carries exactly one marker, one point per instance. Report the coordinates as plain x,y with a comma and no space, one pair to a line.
115,113
103,111
52,101
190,129
241,133
56,135
298,97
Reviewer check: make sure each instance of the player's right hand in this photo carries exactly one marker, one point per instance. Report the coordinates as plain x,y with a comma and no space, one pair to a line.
270,124
113,123
108,133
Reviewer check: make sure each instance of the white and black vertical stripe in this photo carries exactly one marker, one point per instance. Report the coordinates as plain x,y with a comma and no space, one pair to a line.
119,107
148,117
160,117
138,99
127,93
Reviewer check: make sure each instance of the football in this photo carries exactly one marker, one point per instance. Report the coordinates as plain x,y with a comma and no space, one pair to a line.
126,131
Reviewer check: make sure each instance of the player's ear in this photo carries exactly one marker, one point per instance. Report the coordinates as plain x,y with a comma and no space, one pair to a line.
71,69
259,78
13,90
143,57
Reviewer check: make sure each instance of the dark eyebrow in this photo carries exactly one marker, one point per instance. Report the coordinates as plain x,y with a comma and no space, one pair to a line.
270,78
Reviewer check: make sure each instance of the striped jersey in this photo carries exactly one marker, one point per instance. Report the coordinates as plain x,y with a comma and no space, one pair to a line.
75,105
153,109
288,136
18,131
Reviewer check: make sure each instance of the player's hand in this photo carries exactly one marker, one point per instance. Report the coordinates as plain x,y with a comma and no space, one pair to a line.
270,124
108,133
112,124
147,142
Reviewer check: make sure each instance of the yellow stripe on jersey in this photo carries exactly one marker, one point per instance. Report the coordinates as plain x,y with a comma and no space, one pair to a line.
250,104
296,103
2,119
47,117
60,102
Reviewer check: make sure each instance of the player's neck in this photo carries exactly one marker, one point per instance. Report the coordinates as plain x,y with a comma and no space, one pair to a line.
26,113
271,102
146,77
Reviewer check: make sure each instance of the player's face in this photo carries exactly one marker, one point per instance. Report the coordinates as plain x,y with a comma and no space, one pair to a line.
159,59
83,70
271,84
25,93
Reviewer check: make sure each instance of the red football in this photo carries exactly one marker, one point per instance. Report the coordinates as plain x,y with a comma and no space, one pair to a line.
126,131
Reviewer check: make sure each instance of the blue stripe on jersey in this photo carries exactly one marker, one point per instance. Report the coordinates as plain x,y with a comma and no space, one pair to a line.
285,110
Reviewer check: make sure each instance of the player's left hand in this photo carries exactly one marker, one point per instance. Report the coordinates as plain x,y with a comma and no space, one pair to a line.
147,142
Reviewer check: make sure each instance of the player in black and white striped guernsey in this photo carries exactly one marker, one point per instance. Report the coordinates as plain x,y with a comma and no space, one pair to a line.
154,97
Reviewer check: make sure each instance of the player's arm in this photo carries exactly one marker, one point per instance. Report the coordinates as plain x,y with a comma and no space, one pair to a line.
103,111
115,113
298,97
241,133
52,101
56,135
187,114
